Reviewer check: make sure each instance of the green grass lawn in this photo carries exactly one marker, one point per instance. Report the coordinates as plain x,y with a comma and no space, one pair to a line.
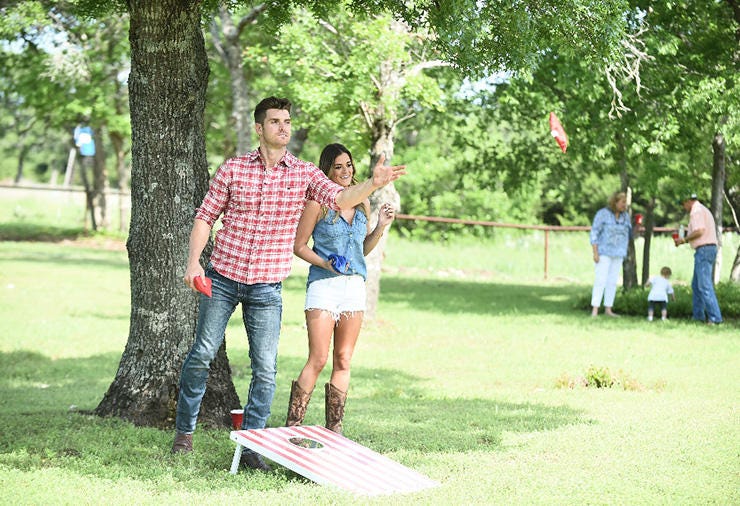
458,378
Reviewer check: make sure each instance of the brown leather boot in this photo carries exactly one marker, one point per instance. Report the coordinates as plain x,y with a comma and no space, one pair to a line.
297,405
334,407
183,443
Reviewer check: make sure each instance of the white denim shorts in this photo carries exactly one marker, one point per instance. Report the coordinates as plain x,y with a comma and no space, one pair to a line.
337,295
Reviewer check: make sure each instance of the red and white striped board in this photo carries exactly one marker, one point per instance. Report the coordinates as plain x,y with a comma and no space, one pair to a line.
335,460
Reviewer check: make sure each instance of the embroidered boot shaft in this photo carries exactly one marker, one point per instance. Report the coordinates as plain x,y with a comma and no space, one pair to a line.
297,405
334,407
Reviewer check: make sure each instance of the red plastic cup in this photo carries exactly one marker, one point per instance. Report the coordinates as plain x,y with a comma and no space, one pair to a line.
675,236
638,219
237,415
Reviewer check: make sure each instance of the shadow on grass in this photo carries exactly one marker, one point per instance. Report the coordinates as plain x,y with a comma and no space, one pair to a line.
388,410
460,296
57,256
39,232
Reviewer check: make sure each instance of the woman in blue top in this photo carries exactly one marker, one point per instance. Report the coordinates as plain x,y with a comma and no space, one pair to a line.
335,292
610,234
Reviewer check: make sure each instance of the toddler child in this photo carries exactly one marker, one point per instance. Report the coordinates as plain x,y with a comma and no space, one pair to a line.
660,289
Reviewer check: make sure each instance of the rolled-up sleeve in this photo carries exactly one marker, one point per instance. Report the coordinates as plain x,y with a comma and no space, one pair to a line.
216,198
322,189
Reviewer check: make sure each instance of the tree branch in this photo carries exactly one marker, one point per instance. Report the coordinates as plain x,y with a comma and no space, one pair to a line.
627,68
216,38
416,69
250,18
366,114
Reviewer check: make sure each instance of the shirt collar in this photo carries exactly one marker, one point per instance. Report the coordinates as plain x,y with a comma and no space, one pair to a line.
288,159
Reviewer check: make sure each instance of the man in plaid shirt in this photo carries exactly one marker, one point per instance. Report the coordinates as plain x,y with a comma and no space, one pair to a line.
260,197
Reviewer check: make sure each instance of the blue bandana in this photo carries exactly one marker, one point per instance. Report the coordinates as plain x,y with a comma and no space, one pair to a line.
338,262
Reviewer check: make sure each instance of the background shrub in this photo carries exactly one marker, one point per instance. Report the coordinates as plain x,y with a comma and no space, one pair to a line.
634,301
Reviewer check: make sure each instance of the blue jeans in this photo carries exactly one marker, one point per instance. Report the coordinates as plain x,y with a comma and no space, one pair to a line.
705,303
262,307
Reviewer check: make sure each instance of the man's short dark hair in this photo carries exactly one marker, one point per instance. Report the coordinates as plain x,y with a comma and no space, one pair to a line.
269,103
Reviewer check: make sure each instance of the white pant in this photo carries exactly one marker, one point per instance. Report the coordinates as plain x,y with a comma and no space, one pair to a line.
606,274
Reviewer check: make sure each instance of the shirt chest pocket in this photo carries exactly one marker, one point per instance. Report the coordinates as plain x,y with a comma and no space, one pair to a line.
331,230
284,200
246,198
360,223
295,198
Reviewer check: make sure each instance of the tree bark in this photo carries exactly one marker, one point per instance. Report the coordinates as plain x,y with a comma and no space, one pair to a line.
23,145
167,85
22,149
227,44
629,266
649,223
719,174
383,143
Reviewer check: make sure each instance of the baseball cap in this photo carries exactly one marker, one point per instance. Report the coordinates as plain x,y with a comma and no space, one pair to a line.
688,196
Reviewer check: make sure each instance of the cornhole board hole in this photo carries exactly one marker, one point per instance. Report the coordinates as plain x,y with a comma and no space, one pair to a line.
330,459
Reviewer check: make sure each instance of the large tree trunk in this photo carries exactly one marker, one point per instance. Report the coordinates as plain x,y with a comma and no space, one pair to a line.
629,266
382,144
167,85
718,185
22,149
649,224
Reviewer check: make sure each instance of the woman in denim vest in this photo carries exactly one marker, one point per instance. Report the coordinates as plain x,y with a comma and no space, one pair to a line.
335,291
610,234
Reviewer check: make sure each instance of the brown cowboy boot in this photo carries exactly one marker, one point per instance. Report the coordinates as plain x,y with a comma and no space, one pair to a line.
334,407
183,443
297,405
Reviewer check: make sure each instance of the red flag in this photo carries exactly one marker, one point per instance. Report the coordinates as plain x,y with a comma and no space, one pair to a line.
556,129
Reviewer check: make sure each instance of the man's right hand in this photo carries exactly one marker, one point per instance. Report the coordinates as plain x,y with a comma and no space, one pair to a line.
191,273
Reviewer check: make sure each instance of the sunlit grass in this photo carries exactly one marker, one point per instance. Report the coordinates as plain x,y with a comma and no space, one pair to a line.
457,378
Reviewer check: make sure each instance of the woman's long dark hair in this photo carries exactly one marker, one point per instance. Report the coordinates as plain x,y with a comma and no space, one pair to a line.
326,164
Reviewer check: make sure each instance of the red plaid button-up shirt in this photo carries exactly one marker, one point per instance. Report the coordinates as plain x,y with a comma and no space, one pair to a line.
261,210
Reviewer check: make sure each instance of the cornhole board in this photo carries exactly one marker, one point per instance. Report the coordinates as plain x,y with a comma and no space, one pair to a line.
328,458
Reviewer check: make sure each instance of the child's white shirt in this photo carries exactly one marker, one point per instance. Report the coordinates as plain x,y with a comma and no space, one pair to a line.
660,288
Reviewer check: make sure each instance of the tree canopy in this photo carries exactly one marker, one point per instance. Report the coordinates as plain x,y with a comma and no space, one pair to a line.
475,126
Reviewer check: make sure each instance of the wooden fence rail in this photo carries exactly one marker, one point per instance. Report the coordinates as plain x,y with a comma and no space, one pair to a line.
546,228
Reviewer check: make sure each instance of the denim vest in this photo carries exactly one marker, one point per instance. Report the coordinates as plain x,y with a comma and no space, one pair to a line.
334,235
